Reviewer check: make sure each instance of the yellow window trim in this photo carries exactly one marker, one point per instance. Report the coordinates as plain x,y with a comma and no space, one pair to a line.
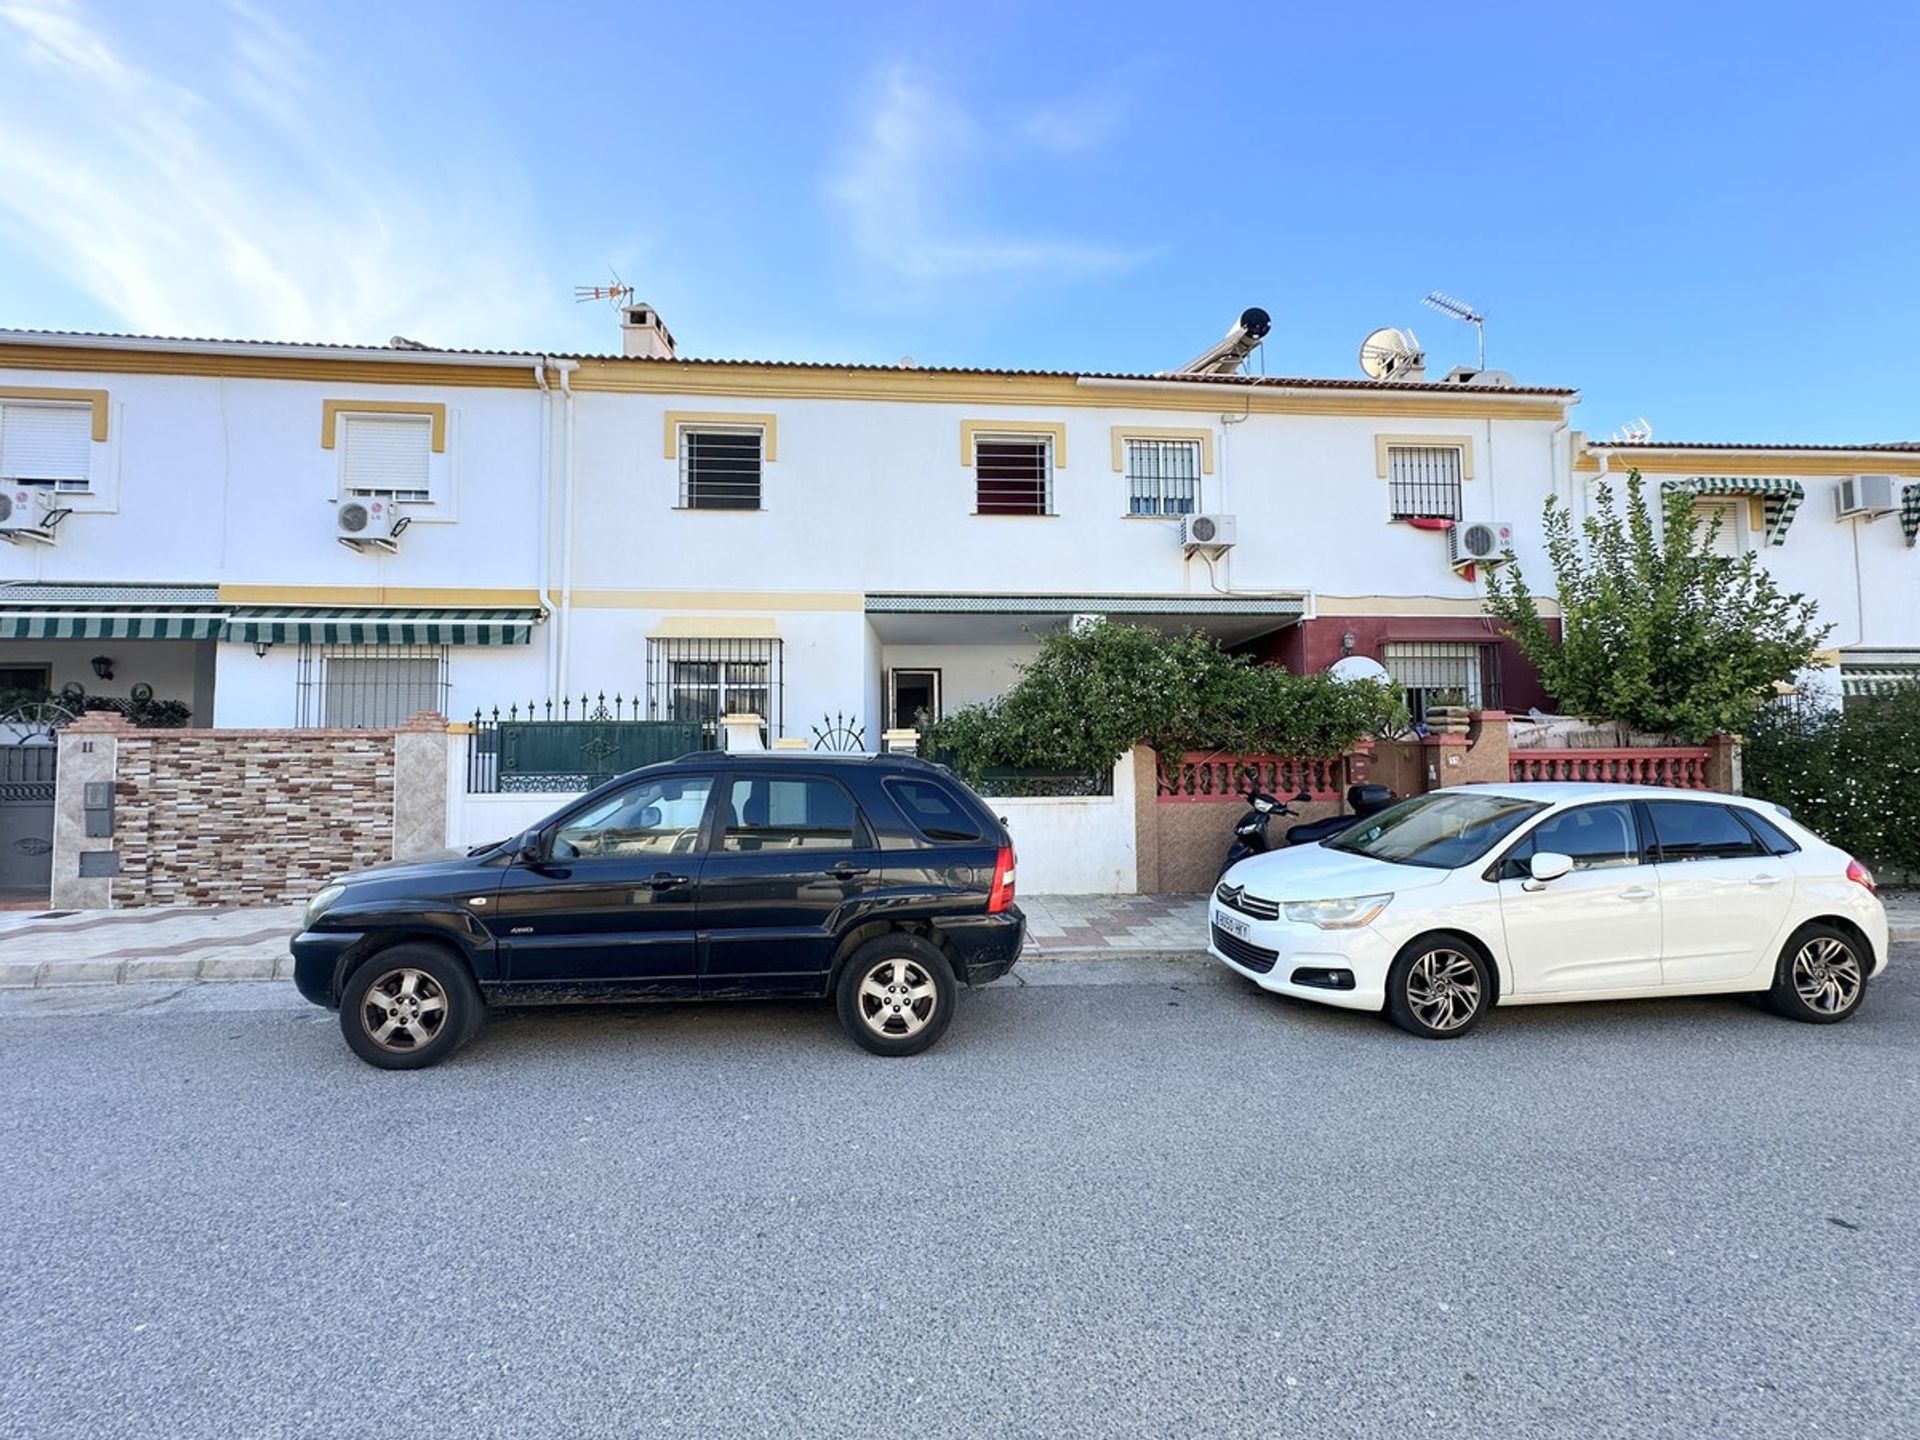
95,398
768,425
1382,444
974,430
332,410
1123,433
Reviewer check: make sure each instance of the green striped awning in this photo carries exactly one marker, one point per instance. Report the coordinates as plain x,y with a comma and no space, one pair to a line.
65,610
1780,497
104,624
1874,670
347,625
1910,513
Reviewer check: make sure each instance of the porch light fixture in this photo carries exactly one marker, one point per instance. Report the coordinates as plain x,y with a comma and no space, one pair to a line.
260,648
1347,642
102,667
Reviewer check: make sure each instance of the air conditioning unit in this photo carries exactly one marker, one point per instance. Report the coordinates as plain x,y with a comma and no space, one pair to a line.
1207,532
1479,542
369,521
30,513
1868,495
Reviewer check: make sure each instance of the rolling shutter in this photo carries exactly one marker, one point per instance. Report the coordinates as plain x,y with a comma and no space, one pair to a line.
45,442
388,454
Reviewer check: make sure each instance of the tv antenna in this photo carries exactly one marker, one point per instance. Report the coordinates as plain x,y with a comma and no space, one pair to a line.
1460,310
616,294
1390,354
1634,432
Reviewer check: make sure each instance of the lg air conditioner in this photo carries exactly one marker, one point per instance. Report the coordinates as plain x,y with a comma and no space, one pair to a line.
1479,542
369,522
1212,533
30,513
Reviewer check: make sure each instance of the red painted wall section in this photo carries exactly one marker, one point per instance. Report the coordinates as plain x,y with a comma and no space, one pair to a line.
1315,644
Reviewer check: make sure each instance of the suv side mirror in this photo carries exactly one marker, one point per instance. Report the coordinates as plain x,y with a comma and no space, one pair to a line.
1548,865
530,850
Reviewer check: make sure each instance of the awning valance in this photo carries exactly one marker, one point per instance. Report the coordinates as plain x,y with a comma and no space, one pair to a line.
35,623
1910,513
347,625
1780,496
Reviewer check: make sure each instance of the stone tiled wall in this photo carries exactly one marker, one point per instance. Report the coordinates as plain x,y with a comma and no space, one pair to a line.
257,817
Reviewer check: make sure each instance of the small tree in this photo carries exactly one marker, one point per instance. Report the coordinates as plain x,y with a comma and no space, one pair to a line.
1656,630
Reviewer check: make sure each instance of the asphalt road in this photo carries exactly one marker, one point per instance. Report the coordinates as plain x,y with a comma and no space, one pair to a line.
1169,1207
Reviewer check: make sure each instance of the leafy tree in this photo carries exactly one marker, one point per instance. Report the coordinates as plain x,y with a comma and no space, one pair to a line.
1089,696
1850,774
1656,630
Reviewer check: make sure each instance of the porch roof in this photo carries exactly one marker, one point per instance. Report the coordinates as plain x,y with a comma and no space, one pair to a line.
36,610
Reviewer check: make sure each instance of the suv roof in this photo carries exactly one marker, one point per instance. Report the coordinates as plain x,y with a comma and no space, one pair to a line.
837,757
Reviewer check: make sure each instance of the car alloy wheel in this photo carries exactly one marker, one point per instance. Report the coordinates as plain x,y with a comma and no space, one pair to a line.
1443,989
897,999
1826,975
404,1010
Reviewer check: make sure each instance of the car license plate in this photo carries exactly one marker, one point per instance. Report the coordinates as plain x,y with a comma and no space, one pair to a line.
1233,925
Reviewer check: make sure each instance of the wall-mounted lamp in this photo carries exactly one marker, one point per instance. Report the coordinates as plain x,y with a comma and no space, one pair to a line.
103,667
260,648
1347,643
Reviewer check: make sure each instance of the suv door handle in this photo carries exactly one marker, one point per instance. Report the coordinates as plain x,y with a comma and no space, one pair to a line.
663,881
844,871
1638,892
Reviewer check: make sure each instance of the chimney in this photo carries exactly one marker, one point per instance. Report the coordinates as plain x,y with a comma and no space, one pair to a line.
642,334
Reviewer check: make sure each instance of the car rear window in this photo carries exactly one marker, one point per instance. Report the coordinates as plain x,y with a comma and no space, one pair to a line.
932,810
1776,840
1694,830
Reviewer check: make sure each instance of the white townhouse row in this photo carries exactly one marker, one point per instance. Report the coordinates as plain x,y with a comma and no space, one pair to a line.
312,535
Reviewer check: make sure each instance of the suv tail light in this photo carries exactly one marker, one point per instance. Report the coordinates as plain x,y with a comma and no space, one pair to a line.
1860,875
1001,896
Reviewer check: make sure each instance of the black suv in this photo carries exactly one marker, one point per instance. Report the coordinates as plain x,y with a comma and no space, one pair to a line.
876,879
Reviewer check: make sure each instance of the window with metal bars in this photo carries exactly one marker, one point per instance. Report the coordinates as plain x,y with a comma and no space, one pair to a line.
698,681
1429,670
369,687
1424,481
1013,476
1163,477
720,469
47,445
388,456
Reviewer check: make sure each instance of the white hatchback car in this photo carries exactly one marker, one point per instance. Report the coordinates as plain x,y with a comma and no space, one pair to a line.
1452,902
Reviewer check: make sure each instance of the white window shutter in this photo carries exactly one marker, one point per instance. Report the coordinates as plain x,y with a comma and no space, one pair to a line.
389,453
45,442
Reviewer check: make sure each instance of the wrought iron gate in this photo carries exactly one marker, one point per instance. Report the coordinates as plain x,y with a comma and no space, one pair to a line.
26,815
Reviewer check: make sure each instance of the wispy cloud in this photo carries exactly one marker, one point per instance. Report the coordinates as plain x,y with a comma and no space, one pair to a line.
898,185
255,200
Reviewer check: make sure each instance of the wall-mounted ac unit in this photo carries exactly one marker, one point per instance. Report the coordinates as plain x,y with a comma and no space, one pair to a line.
1479,542
1207,532
1868,495
369,522
30,513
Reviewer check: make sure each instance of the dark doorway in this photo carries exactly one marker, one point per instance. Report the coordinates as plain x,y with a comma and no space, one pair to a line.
908,693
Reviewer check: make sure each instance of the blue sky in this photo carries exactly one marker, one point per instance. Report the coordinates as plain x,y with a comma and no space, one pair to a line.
1704,214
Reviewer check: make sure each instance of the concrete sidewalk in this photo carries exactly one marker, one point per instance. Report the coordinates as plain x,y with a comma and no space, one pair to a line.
185,946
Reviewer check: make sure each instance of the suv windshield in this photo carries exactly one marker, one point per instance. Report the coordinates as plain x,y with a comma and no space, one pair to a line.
1439,831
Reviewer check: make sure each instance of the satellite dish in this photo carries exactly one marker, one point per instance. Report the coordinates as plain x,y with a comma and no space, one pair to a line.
1390,354
1357,667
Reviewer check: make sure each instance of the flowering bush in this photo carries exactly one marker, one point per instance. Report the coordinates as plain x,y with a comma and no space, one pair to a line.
1656,630
1089,696
1853,775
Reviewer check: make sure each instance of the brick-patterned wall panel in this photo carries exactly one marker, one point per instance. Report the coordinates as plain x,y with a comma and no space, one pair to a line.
248,817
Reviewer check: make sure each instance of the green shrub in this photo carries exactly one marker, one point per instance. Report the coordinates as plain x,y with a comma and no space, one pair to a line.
1852,775
1089,696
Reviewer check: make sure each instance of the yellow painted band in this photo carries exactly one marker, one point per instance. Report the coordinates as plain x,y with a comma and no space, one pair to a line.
426,597
1757,462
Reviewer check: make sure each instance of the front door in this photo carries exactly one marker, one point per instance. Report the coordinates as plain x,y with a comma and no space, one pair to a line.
1723,897
793,854
1595,928
612,903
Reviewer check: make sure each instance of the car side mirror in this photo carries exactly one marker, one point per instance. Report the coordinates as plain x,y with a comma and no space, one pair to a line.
530,850
1548,865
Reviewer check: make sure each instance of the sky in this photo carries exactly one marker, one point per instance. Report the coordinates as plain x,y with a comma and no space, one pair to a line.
1706,215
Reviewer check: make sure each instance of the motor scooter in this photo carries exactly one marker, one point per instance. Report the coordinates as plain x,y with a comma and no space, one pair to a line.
1250,835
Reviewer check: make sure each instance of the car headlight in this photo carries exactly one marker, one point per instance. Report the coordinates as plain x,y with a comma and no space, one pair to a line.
1348,914
323,902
